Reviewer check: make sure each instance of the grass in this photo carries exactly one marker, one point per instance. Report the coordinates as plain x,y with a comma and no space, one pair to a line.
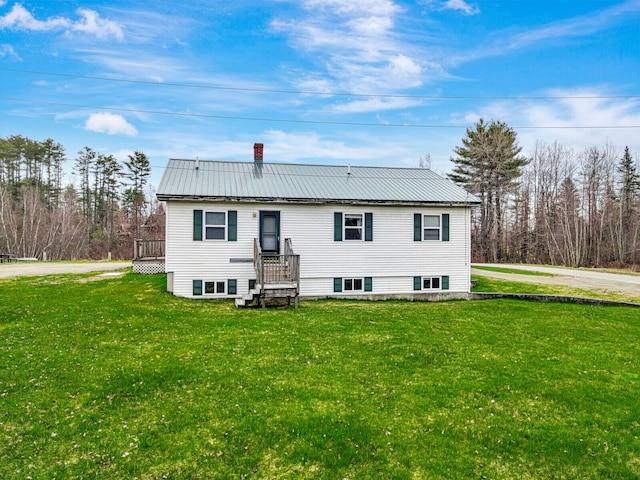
517,271
117,378
487,284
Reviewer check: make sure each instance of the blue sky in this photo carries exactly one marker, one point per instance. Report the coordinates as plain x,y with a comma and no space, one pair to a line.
364,82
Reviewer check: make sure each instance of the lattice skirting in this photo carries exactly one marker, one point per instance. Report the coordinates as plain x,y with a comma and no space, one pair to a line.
148,268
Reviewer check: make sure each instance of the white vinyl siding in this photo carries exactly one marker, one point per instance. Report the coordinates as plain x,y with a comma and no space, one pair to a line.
392,259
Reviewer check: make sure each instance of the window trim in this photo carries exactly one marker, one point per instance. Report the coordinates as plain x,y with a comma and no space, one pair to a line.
339,284
442,281
432,281
353,281
206,225
425,228
361,227
216,284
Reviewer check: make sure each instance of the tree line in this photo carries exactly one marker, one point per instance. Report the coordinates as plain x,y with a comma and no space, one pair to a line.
554,206
42,215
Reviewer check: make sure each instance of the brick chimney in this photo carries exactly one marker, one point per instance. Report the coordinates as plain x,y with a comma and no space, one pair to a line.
257,152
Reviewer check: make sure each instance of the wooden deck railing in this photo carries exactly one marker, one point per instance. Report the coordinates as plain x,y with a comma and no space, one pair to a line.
276,269
148,249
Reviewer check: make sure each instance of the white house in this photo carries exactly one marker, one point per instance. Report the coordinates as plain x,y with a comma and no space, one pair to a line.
249,229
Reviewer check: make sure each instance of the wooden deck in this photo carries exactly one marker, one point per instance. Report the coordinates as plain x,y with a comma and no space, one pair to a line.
148,256
147,249
277,277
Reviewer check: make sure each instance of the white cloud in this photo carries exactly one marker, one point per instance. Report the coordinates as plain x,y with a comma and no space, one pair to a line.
600,117
312,146
404,70
7,50
376,104
91,23
506,42
461,5
357,44
136,64
111,124
19,18
355,7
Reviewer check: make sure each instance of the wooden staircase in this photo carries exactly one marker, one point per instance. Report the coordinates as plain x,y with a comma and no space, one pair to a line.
277,278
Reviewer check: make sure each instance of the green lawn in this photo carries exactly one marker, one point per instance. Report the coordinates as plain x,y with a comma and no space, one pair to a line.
517,271
117,378
488,284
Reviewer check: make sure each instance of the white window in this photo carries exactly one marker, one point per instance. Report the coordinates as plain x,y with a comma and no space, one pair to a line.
215,224
353,285
431,227
431,283
214,287
353,223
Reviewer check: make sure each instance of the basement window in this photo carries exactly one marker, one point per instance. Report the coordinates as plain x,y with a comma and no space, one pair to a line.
431,283
214,288
353,284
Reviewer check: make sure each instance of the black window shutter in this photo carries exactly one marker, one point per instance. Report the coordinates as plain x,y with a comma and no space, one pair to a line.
368,227
417,227
197,287
197,225
445,227
232,218
232,286
337,226
417,283
337,285
445,282
368,284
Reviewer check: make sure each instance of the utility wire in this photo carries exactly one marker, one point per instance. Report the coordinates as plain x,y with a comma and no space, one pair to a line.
308,122
328,94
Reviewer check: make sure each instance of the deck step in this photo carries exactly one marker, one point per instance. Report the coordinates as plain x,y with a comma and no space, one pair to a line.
271,291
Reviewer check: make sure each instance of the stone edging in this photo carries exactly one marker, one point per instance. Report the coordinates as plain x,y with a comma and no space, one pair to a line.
551,298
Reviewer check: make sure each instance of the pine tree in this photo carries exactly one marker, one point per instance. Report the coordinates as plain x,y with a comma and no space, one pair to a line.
83,165
489,165
139,169
629,223
629,183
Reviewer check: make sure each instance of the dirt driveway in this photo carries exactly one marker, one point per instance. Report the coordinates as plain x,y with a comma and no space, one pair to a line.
575,278
32,269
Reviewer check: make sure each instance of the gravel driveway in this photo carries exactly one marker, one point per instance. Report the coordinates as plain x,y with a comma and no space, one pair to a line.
32,269
576,278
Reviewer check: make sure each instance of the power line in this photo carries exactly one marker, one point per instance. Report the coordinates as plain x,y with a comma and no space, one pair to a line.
308,122
327,94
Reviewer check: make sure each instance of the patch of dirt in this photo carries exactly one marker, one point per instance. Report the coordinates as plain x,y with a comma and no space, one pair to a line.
102,276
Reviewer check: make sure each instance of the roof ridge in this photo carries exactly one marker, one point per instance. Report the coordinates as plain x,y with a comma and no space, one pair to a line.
252,162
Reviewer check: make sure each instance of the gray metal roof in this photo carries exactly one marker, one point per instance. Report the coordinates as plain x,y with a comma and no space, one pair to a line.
273,182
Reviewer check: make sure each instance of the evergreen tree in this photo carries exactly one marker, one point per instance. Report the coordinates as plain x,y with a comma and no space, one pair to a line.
489,165
84,164
53,158
138,171
629,182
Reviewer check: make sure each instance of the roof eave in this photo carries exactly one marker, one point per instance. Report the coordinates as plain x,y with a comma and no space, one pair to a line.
314,201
